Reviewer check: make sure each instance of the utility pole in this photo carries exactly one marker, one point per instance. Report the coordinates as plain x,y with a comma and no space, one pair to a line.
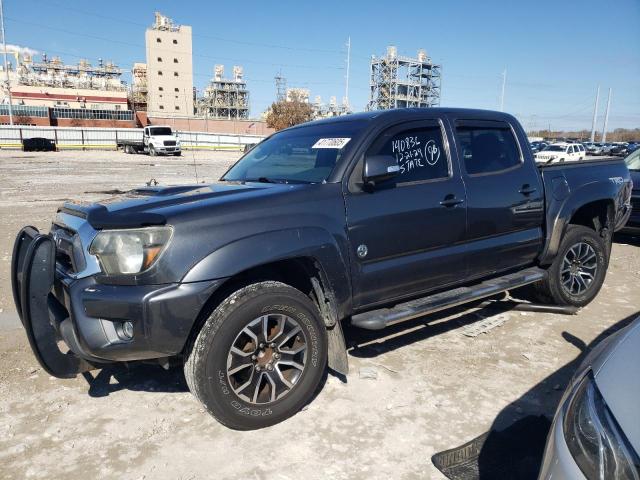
595,116
504,83
346,87
606,118
6,68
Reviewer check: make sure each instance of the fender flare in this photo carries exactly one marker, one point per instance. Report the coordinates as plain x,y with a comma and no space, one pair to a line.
563,206
332,286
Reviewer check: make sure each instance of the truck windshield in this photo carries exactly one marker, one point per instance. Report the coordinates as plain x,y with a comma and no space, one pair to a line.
633,161
300,155
157,131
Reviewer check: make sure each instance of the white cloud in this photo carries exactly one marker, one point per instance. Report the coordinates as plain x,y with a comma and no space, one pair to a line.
21,50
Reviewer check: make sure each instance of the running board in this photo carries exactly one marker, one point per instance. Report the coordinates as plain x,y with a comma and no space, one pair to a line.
384,317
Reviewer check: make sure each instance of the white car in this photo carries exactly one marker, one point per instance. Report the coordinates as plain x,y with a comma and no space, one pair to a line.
561,152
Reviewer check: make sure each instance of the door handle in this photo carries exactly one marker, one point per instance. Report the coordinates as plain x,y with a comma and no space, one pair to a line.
527,190
451,201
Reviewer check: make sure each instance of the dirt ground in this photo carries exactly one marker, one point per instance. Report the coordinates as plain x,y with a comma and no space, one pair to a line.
414,390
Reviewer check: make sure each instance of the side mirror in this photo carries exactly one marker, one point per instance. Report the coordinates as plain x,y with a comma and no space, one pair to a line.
378,168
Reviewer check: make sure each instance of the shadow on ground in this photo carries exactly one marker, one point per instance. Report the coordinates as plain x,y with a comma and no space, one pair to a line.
514,446
136,377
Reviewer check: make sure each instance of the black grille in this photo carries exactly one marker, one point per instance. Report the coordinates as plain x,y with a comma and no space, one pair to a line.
64,249
169,143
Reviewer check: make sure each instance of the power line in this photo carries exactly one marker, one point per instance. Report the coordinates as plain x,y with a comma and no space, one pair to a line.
209,57
201,35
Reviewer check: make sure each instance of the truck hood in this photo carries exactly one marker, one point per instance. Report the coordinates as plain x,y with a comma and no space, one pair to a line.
143,206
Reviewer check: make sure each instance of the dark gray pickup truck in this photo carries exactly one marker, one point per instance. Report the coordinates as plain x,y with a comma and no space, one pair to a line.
373,218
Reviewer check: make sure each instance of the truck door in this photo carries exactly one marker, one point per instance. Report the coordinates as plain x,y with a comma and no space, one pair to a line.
505,198
406,234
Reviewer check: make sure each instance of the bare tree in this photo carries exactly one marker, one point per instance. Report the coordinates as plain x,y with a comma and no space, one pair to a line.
287,113
22,119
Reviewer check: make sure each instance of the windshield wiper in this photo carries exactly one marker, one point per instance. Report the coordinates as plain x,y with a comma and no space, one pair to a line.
264,180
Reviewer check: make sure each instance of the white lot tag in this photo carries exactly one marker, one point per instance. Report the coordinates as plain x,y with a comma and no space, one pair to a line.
331,143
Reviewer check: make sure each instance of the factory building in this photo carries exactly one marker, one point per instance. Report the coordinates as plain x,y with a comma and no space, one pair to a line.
400,82
225,97
169,69
50,92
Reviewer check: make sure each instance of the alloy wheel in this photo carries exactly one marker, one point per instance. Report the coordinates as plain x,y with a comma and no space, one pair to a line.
267,359
579,267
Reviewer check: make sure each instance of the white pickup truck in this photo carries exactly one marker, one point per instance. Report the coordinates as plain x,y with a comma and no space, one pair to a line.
561,152
156,140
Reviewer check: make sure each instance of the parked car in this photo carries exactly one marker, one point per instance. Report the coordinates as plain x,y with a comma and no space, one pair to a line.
596,433
374,218
156,140
633,164
538,146
620,150
595,149
38,144
561,152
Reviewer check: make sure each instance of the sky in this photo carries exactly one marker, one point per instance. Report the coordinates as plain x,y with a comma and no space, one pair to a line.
555,53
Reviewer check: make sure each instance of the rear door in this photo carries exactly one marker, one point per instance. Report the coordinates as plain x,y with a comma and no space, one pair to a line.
406,234
505,208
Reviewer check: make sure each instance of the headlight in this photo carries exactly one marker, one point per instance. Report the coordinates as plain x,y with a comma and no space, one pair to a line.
122,252
595,439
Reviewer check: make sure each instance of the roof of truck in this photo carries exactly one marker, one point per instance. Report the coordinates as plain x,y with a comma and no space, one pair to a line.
410,113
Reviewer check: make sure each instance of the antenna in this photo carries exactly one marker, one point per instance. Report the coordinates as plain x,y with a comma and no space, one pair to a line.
606,118
504,83
595,116
346,88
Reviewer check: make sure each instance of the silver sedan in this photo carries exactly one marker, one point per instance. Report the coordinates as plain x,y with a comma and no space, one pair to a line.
596,430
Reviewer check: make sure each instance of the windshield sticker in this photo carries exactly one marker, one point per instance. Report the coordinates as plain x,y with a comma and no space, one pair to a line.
331,143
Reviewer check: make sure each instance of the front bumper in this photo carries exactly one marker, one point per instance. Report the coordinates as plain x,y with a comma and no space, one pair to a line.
89,316
633,224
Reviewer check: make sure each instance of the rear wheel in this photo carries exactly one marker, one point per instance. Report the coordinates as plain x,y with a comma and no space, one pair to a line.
578,271
259,357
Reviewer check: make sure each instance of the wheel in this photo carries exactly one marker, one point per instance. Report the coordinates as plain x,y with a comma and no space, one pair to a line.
578,271
152,151
177,154
259,357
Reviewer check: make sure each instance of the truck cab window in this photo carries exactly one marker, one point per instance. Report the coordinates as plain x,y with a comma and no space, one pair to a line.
487,149
419,152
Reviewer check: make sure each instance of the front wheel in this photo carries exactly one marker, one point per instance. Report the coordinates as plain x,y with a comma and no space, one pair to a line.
152,151
259,357
578,271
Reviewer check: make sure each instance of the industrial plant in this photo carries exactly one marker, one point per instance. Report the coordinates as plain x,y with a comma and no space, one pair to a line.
225,97
52,92
401,82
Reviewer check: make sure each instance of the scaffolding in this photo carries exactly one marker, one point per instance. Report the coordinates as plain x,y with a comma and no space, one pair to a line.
403,82
54,73
225,98
332,109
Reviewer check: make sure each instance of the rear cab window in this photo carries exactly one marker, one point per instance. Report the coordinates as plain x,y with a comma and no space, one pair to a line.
487,147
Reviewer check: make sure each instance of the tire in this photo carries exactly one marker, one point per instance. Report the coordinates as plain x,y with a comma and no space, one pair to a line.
222,390
152,151
178,154
554,288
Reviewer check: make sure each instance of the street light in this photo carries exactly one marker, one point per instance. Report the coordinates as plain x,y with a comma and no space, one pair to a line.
6,69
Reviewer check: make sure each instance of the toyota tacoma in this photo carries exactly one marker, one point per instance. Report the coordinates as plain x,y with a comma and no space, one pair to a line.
373,219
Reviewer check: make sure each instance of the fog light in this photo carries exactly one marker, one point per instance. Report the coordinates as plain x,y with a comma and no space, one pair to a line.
127,330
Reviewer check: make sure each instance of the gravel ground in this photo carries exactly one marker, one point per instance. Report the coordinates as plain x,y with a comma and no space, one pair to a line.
413,390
